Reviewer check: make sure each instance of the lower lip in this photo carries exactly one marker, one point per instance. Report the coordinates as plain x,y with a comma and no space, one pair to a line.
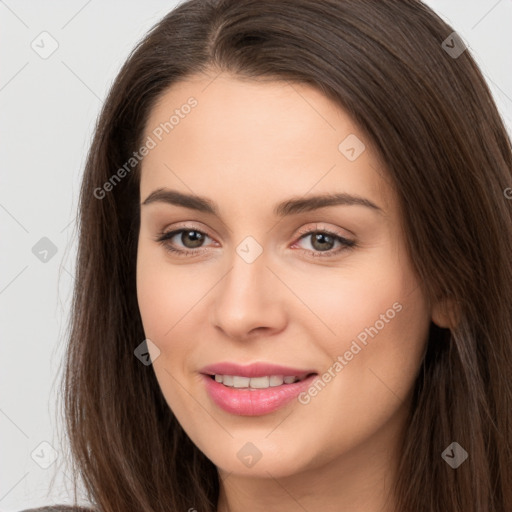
254,402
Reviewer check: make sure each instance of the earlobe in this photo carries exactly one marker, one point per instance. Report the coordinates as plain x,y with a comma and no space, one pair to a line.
445,313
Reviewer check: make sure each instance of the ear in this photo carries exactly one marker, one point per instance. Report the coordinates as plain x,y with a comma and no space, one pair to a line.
445,313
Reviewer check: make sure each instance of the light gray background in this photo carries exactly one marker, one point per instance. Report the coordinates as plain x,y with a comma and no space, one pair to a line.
48,110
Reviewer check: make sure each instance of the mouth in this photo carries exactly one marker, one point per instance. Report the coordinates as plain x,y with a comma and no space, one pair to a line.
253,383
255,396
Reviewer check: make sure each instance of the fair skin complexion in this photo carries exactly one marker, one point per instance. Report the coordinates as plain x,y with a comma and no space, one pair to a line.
248,146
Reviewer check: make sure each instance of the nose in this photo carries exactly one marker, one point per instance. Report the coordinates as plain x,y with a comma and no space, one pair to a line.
249,300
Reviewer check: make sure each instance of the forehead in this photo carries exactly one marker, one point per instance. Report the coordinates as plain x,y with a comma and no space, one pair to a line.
210,133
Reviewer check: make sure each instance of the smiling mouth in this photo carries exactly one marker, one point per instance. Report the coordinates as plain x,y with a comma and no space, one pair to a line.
264,382
255,396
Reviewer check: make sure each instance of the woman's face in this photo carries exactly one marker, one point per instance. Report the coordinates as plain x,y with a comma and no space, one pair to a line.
262,277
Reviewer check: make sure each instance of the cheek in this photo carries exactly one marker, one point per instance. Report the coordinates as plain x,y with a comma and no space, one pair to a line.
169,296
381,334
163,304
378,321
156,293
151,295
381,325
376,292
163,291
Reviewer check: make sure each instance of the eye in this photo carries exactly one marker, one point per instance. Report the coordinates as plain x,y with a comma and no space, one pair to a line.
322,242
191,238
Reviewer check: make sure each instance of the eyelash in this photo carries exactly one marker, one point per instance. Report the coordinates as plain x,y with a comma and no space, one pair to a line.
164,237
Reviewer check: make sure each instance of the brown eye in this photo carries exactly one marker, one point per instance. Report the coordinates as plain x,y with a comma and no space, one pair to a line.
191,241
322,243
196,238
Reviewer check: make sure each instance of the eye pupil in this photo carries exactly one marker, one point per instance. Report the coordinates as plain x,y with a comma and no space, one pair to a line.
196,237
322,238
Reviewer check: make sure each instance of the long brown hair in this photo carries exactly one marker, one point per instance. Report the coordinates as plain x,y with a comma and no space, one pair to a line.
430,115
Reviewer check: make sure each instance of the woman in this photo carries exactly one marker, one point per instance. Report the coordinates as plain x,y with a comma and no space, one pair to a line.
294,278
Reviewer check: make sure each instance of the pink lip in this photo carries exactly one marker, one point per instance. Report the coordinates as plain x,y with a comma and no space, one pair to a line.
254,402
254,370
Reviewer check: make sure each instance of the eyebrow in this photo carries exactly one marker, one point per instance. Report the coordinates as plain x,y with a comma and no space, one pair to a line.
291,206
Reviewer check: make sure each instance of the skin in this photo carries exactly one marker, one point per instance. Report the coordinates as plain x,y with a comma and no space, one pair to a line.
247,146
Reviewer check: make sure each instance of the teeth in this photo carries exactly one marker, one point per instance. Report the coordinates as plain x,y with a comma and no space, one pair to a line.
276,380
235,381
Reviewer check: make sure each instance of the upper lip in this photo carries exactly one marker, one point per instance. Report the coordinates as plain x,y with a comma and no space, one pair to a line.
259,369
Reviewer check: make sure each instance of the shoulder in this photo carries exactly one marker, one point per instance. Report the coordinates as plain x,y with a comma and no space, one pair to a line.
59,508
